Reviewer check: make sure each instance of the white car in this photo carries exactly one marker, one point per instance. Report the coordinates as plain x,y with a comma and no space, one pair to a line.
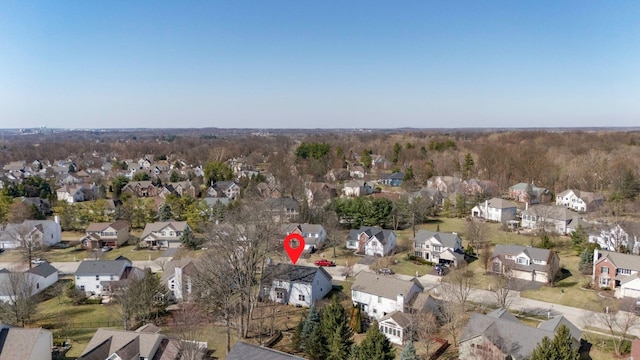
37,261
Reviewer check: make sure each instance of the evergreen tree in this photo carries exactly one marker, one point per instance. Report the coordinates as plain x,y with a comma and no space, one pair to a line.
409,352
579,238
165,213
335,328
375,346
296,339
560,348
316,345
337,345
468,165
311,322
188,240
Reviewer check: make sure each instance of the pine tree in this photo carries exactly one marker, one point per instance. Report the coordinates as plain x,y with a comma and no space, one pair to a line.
165,213
311,322
563,345
409,352
296,339
316,345
375,346
543,351
188,240
335,317
337,345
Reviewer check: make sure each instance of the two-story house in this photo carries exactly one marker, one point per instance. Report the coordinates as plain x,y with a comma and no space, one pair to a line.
614,270
355,188
582,201
228,189
379,295
283,209
496,209
113,234
163,234
372,241
295,284
140,189
314,234
529,194
179,277
393,180
95,277
42,232
551,218
616,236
525,262
438,247
31,282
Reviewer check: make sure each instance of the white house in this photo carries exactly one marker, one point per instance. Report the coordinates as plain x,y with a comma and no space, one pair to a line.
94,276
438,247
372,241
314,234
43,232
228,189
396,326
577,200
356,188
379,295
549,217
70,193
614,236
25,344
163,234
295,284
496,209
32,281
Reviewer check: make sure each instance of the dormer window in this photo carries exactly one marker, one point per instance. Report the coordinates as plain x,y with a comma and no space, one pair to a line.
522,261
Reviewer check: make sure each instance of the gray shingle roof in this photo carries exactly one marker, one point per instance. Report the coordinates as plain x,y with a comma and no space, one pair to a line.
447,239
244,351
501,250
102,267
384,286
400,318
18,343
371,231
625,261
292,273
498,203
44,270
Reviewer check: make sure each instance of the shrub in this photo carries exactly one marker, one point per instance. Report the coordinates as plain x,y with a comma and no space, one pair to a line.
97,301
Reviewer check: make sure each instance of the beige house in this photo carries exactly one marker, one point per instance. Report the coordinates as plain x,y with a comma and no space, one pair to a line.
106,234
164,234
525,262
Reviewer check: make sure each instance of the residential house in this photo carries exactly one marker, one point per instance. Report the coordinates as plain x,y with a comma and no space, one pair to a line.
146,343
525,262
438,247
394,179
396,326
163,234
25,344
101,234
529,193
372,241
500,335
582,201
295,284
614,270
318,193
179,189
496,209
379,295
245,351
43,232
615,237
32,281
283,209
95,277
552,218
355,188
228,189
43,206
72,194
140,189
179,276
314,234
433,196
357,172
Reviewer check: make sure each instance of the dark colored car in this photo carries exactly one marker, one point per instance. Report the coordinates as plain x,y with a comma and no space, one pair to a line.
325,262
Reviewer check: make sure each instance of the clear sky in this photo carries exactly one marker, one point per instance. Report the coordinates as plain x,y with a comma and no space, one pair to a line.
319,64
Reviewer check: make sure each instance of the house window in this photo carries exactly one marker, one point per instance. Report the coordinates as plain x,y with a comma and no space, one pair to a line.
604,270
97,286
418,253
97,277
436,248
301,298
522,261
623,271
379,300
82,287
426,246
604,282
280,295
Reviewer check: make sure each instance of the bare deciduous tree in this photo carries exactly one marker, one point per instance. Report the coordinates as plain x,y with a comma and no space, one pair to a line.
30,240
618,320
21,304
477,232
503,290
459,284
187,331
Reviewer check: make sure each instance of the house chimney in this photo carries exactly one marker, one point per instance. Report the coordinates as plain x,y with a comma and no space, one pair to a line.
486,205
400,302
526,206
595,259
56,219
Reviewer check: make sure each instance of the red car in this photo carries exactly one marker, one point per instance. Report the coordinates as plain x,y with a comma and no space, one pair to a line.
325,262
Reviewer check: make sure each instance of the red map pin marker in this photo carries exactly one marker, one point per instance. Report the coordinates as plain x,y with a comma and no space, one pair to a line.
294,252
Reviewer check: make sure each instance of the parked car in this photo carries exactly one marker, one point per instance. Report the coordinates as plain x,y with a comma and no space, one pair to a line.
106,248
385,271
325,262
37,261
1,250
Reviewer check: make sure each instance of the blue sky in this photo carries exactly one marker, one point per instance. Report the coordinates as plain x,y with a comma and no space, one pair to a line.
319,64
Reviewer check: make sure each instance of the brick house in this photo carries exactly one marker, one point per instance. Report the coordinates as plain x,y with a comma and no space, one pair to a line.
616,271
